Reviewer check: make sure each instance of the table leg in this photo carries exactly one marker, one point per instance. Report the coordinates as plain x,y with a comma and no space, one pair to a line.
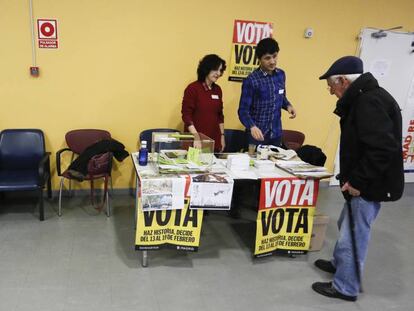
136,201
144,253
145,258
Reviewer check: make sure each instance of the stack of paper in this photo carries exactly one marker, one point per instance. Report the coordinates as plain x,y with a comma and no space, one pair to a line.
303,169
264,164
238,162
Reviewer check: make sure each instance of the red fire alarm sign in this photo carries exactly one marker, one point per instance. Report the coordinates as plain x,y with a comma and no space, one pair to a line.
47,33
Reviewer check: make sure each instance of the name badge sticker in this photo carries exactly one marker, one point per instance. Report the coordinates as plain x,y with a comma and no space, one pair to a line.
214,96
281,91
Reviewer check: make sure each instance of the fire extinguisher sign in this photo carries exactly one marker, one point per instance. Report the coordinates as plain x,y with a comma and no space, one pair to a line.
47,33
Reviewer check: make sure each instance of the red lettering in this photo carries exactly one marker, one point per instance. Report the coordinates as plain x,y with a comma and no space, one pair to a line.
250,32
406,145
277,192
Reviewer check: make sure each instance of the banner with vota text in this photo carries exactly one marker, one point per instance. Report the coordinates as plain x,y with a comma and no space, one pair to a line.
246,35
179,229
285,219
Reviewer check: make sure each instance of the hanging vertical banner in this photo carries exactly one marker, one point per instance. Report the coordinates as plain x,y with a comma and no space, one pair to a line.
408,131
47,33
285,218
246,34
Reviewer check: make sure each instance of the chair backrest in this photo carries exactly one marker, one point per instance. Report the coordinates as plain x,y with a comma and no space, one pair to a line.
21,148
147,134
235,140
79,140
293,139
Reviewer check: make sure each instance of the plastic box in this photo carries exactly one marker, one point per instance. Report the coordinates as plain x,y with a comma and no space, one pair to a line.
320,223
174,151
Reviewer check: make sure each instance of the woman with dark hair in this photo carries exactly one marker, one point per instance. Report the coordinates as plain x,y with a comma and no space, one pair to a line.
202,107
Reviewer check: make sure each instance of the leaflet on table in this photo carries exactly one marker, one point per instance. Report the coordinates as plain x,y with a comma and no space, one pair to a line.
303,169
184,161
162,193
299,166
266,151
211,191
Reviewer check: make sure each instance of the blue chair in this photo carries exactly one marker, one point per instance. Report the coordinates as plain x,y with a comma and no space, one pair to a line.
24,163
235,140
147,134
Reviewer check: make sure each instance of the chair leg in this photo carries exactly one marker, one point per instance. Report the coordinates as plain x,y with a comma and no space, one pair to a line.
49,187
106,192
112,188
60,197
41,208
71,192
92,193
108,205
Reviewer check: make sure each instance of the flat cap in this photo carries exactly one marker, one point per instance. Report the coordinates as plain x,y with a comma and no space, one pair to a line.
344,66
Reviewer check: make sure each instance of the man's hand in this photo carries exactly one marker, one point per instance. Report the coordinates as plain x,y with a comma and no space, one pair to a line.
291,111
256,133
351,190
223,143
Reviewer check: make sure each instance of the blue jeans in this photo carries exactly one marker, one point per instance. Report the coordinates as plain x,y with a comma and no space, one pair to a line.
364,213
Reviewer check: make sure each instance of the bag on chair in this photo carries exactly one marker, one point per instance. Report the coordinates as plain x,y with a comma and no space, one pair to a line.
312,155
99,164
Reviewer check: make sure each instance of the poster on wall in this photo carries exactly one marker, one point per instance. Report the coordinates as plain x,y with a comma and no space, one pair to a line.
47,33
389,57
246,35
285,218
408,131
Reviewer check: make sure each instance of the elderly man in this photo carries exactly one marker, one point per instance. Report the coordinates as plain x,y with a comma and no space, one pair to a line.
371,169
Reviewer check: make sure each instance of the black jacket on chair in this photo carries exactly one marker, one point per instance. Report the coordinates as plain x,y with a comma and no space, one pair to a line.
371,140
80,164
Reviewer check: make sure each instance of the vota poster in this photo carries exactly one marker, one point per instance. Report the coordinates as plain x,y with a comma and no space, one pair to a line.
246,35
285,218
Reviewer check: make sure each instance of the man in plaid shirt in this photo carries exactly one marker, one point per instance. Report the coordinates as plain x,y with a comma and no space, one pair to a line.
263,96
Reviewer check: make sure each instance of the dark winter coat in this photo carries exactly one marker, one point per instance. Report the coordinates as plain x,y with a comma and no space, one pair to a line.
80,164
371,140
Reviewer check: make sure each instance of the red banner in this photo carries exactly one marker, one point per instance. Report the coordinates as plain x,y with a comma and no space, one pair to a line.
278,192
250,32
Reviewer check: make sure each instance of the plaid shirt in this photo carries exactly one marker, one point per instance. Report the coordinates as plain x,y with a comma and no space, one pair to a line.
262,98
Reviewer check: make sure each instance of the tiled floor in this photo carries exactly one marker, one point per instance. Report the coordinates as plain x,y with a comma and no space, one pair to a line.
84,261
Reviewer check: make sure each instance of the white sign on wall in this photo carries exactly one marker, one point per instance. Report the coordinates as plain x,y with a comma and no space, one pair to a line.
47,33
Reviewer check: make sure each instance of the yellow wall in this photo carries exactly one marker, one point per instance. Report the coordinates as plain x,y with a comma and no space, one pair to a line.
123,65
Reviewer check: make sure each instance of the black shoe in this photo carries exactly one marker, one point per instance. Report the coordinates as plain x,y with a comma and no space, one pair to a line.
325,265
328,290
